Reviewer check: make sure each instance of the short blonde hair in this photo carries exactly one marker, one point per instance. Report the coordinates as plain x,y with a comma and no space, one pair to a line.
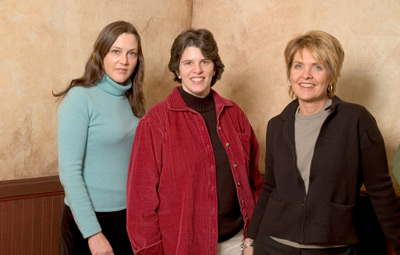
324,47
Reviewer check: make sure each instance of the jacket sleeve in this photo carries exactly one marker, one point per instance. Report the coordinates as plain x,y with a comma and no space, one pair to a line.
377,179
269,184
142,188
254,173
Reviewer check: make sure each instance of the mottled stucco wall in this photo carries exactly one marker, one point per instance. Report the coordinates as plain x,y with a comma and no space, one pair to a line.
253,34
44,44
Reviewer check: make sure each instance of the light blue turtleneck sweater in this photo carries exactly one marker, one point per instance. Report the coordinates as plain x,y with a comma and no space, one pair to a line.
96,127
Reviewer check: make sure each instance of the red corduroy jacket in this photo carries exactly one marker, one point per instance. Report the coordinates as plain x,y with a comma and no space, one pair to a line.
172,205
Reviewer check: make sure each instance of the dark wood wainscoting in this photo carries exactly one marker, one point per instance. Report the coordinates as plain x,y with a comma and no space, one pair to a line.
30,211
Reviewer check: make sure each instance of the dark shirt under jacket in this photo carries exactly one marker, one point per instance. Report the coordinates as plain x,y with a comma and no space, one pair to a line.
230,219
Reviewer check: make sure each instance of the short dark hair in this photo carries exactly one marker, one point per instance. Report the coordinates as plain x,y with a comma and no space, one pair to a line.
202,39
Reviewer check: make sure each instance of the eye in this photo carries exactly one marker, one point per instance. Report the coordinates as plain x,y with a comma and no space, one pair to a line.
132,53
297,66
187,63
115,51
206,61
318,68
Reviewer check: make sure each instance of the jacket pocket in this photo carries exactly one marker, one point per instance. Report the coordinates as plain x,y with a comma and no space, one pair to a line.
245,142
341,216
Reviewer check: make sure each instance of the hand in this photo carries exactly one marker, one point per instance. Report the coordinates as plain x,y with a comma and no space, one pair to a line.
99,245
249,250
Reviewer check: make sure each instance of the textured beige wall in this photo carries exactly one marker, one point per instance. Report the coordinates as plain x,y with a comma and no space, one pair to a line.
44,44
253,34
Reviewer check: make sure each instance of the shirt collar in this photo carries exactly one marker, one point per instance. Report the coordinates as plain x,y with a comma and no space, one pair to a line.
176,103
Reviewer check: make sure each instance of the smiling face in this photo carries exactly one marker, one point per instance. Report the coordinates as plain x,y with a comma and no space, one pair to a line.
195,72
121,59
309,79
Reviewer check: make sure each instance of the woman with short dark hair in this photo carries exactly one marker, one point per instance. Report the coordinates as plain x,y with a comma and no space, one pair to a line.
193,178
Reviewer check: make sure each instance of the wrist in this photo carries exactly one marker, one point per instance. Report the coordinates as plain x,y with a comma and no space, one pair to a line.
246,245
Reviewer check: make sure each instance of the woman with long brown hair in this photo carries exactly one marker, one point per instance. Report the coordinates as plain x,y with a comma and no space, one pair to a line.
97,120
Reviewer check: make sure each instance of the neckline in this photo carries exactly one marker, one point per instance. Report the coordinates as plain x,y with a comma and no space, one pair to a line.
110,86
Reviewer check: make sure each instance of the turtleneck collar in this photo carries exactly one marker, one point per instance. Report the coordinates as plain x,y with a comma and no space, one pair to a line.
107,84
197,103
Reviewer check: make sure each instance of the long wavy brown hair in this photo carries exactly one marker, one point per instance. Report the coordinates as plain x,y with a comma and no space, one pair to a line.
94,69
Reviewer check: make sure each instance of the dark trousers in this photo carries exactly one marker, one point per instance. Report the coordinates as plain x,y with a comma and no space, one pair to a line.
264,245
113,225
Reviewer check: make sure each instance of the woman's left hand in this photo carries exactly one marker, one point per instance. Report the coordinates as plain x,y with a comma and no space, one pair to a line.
99,245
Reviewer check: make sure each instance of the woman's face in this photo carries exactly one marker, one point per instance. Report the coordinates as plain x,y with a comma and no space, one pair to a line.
309,78
120,61
195,72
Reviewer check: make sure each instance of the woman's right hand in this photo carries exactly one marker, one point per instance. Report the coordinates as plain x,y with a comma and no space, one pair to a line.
250,249
99,245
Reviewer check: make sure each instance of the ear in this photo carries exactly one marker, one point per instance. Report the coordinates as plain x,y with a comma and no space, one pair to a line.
177,74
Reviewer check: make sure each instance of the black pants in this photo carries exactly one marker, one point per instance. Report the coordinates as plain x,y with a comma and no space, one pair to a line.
113,225
264,245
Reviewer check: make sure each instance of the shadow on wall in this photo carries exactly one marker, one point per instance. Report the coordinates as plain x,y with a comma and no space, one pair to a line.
356,88
240,93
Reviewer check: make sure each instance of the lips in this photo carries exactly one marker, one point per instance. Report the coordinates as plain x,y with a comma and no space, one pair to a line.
121,70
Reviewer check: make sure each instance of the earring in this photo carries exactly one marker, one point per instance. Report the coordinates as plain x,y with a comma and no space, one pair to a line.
330,88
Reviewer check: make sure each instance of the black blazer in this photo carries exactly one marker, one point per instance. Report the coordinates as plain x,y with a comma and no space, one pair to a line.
349,151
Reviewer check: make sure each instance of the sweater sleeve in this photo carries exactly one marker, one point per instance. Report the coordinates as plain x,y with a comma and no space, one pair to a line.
73,122
142,188
377,179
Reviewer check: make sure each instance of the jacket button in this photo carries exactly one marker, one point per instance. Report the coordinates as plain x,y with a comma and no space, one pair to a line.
239,184
242,201
234,165
246,218
227,144
219,128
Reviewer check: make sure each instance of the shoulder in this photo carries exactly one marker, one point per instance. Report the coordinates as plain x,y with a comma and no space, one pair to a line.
228,104
287,114
76,94
157,114
352,111
77,98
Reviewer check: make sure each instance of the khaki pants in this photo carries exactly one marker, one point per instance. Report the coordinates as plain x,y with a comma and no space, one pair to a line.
231,246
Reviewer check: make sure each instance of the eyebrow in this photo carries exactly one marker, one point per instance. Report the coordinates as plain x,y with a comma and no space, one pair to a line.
314,63
190,59
119,48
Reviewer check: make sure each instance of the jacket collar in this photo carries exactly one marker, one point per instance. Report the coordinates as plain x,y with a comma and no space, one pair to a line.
288,116
290,109
176,103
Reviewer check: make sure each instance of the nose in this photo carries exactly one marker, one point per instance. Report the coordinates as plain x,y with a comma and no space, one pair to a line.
197,68
306,73
124,59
